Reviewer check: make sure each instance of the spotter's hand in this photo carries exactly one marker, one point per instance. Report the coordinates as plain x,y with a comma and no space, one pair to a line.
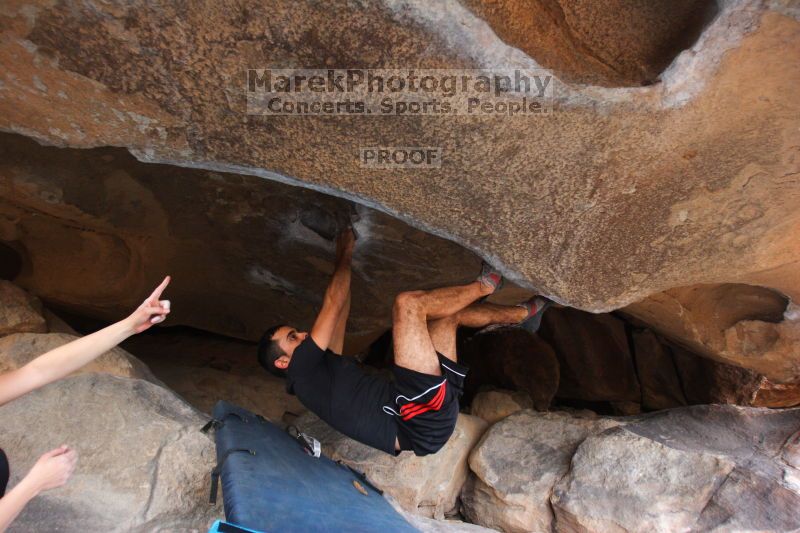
152,311
53,469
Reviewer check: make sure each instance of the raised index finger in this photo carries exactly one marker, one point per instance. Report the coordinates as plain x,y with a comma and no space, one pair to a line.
157,293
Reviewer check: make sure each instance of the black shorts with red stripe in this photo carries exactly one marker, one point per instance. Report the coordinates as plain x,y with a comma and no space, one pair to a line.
426,406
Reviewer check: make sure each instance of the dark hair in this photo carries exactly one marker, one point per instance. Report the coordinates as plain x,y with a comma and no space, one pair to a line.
270,351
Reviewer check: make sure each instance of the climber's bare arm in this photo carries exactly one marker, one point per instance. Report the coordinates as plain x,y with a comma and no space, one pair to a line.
337,294
337,341
64,360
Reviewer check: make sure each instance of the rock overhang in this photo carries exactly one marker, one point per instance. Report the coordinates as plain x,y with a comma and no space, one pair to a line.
619,194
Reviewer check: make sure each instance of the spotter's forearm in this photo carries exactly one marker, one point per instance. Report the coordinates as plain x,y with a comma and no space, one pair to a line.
15,501
62,361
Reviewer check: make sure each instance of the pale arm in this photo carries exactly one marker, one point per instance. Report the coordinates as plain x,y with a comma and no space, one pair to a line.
14,501
337,293
66,359
52,470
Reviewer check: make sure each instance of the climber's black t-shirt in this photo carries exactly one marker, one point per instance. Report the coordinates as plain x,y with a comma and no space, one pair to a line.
343,395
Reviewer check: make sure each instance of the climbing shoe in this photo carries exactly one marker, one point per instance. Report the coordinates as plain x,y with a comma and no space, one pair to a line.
536,307
490,277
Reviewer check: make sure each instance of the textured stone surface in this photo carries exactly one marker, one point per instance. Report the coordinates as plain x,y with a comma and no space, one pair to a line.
618,194
142,463
427,486
704,468
791,451
700,468
495,405
19,311
56,324
706,381
19,349
617,42
516,464
100,228
737,324
616,480
777,394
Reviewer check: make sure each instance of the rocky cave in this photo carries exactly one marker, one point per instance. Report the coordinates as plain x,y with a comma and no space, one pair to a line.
658,206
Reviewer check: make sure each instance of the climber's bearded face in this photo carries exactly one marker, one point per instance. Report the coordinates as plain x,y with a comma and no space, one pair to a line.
288,338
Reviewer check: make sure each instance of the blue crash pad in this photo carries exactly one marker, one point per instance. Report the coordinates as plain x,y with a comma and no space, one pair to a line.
271,484
225,527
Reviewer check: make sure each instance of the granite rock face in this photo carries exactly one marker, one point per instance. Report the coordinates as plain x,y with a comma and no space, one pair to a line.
19,311
495,405
32,330
430,525
101,228
142,463
616,362
670,376
612,43
516,464
428,486
659,488
619,194
702,468
21,348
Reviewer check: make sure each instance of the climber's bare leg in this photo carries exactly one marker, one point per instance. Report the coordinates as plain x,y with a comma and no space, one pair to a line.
480,315
442,331
413,347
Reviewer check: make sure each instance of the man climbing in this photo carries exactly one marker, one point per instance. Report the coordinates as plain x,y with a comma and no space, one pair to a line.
419,409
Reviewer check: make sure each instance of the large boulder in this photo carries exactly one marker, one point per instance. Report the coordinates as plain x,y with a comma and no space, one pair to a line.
19,311
143,465
616,195
771,394
56,324
791,451
699,468
611,43
703,468
21,348
517,463
427,486
707,381
622,482
258,392
495,405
